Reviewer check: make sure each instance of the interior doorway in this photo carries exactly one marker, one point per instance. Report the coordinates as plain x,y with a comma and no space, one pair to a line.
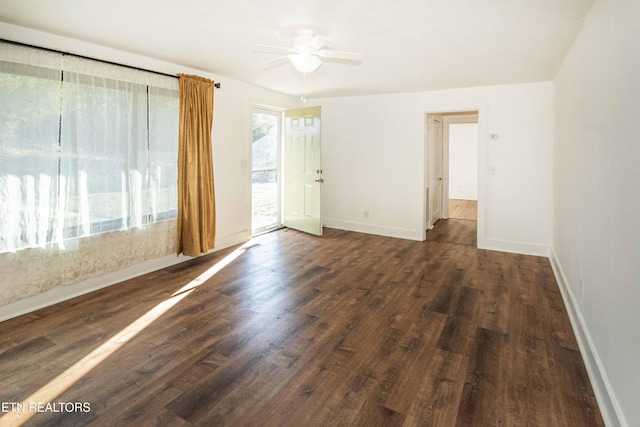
452,177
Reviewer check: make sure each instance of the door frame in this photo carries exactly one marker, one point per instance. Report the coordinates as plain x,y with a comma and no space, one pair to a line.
423,213
432,163
249,166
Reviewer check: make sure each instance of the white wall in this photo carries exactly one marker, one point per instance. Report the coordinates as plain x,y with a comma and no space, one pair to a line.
231,149
463,161
373,160
596,244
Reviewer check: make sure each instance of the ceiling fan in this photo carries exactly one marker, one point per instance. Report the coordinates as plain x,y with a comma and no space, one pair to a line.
307,52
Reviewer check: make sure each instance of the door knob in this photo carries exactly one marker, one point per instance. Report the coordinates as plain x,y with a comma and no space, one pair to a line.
320,180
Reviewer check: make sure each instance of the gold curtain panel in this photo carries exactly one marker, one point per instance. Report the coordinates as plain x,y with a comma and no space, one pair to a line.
196,197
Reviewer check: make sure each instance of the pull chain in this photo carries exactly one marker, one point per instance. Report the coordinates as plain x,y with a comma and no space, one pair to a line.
302,98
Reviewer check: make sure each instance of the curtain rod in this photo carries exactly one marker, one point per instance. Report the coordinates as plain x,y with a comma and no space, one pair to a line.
217,85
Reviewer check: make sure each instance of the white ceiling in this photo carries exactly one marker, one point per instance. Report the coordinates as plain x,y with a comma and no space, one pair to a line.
407,45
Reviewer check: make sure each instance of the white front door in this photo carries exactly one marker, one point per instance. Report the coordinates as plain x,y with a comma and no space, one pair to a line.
302,170
435,166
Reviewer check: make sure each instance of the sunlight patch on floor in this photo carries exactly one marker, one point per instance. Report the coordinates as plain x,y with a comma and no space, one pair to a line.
66,379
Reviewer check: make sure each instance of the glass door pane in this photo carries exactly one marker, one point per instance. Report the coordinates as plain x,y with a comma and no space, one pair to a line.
265,170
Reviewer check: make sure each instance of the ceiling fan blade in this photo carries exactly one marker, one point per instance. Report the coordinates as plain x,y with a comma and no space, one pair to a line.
318,42
275,62
265,48
336,54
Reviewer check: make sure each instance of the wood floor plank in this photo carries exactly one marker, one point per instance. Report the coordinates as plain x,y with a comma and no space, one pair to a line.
346,329
437,400
373,414
482,402
457,336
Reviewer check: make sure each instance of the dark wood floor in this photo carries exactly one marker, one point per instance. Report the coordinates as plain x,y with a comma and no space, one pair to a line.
458,231
347,329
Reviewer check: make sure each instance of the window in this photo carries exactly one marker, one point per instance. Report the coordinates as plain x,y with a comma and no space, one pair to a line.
85,148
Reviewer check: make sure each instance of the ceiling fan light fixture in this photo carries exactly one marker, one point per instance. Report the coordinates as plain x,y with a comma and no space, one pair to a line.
305,62
308,52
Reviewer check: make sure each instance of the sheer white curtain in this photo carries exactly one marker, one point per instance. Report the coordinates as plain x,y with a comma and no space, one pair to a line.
164,109
85,148
104,150
29,145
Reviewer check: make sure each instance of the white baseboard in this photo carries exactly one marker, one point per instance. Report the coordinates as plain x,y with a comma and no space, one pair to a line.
514,247
66,292
464,196
379,230
607,402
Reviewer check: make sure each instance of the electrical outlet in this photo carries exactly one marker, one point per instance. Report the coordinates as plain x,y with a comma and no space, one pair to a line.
366,214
